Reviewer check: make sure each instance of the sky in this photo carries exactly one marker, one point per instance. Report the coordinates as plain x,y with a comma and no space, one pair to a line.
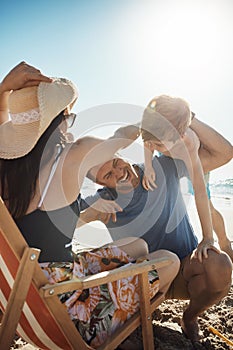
121,53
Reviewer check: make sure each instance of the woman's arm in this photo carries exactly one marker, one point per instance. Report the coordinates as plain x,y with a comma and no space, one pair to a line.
91,151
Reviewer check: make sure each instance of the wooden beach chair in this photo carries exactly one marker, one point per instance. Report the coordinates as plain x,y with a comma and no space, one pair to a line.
32,309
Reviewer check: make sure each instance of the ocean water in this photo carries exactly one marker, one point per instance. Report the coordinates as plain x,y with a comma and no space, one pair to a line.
222,199
222,189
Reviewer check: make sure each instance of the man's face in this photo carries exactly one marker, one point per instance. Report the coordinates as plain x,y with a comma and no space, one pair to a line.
117,174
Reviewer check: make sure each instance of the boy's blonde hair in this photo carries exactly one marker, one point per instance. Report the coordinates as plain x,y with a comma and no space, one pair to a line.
165,118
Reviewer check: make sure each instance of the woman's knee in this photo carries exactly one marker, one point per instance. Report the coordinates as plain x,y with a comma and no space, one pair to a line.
173,260
135,247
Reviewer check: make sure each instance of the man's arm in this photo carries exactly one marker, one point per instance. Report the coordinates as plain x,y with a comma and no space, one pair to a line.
92,214
215,150
95,208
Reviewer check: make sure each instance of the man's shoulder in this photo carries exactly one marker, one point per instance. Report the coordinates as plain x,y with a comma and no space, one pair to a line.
107,193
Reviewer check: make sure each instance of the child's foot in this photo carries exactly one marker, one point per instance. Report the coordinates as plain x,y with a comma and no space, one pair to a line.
227,248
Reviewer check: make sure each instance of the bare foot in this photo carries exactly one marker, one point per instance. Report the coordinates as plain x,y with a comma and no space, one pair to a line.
190,329
227,248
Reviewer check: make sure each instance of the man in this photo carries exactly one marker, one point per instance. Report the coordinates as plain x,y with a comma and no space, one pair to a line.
160,218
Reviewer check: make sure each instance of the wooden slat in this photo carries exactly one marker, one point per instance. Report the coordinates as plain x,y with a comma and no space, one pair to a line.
130,325
147,330
103,277
18,296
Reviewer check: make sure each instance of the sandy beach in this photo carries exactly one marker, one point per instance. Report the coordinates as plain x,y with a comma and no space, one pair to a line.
166,319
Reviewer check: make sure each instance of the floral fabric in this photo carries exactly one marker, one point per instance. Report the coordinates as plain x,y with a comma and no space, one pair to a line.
97,312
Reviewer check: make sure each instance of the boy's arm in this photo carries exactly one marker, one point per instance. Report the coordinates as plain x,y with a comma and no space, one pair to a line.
215,150
194,166
203,209
149,177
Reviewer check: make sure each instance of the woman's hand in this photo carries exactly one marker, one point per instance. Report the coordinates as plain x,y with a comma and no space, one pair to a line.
22,75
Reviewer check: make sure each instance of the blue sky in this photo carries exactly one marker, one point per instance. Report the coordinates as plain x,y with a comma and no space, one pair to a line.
127,51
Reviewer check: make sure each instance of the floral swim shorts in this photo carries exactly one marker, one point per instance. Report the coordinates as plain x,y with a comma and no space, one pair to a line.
97,312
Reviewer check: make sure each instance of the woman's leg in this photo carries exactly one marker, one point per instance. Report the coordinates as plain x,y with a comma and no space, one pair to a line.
134,247
137,248
166,273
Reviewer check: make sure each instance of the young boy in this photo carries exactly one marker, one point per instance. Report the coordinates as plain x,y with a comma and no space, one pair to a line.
165,128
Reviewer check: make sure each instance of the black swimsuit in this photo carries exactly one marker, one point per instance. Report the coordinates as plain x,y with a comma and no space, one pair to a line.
51,231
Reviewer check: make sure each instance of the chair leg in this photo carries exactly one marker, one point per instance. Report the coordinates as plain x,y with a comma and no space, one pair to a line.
17,297
145,310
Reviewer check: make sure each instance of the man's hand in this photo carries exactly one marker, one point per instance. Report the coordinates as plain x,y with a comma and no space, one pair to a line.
102,210
22,75
106,209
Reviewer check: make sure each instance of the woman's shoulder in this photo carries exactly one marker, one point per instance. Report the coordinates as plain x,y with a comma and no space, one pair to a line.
79,149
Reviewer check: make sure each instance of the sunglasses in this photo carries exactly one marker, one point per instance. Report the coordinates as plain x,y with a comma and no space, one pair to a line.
70,119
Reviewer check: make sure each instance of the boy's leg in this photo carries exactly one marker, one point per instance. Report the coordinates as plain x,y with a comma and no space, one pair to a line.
220,230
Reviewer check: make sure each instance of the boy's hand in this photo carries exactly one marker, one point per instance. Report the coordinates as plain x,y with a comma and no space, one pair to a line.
148,181
203,247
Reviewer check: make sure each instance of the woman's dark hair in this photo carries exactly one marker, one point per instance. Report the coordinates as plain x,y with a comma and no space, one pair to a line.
18,177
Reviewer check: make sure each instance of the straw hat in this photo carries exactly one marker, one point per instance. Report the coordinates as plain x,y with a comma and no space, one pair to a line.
32,110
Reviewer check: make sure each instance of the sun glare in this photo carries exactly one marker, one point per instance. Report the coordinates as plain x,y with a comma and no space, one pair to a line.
180,40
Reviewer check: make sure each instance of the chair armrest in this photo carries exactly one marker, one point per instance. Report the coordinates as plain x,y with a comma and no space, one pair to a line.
103,277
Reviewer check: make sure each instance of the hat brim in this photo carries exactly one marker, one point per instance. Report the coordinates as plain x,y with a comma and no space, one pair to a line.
18,139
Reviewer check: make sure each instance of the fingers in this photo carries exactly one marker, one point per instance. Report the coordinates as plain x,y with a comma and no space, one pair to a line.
108,206
35,76
148,184
145,183
23,75
202,251
114,217
105,217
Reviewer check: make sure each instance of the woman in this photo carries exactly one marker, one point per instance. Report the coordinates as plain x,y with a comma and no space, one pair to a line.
41,174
